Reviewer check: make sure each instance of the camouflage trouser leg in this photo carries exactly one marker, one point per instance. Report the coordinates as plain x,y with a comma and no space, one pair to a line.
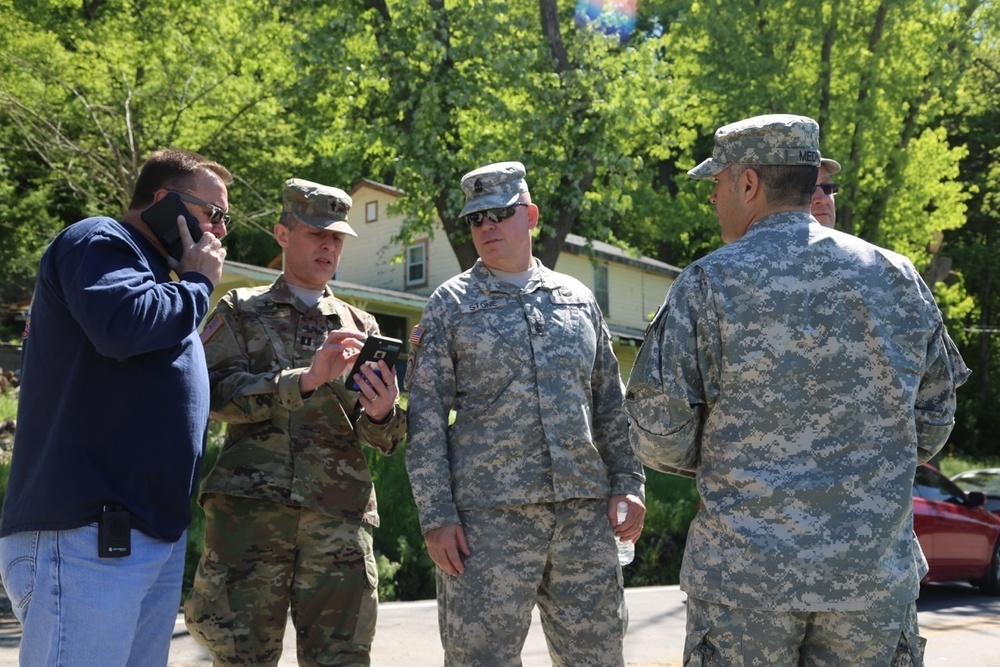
880,637
262,558
560,556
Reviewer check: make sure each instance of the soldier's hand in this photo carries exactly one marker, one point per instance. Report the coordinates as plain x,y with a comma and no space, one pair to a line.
332,359
446,546
631,528
378,394
206,257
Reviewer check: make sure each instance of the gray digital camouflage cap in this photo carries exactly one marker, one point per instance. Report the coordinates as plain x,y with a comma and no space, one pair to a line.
493,186
769,139
319,206
832,166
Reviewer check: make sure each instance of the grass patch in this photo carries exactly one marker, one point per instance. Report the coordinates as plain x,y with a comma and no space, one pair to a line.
950,464
671,503
8,405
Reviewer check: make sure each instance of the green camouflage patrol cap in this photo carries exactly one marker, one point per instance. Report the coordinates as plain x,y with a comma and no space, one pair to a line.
493,186
769,139
319,206
832,166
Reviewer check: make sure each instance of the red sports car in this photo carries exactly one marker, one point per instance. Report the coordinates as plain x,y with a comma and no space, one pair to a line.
960,538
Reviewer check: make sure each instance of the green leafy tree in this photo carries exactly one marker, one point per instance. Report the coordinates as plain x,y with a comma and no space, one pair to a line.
974,123
877,75
90,89
415,94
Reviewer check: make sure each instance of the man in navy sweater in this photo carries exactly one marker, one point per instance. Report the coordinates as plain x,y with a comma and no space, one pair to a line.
111,426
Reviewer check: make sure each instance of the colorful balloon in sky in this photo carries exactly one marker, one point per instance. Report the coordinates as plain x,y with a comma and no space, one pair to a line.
612,17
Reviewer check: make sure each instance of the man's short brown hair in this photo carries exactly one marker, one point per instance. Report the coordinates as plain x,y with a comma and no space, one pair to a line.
172,168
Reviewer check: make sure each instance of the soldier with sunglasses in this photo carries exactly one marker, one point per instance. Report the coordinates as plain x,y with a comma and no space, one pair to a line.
822,205
517,496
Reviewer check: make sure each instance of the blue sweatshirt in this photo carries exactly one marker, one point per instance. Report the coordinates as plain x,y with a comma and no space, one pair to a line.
114,394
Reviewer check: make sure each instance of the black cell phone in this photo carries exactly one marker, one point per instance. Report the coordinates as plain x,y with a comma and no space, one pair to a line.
162,219
114,533
374,349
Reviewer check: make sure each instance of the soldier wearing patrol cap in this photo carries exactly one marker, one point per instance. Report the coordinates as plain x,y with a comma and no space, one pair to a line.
517,497
289,505
800,374
319,206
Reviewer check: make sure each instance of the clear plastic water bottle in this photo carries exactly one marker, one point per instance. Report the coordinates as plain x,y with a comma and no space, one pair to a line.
626,548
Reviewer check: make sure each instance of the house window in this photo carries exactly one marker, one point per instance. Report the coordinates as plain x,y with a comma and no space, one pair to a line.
416,265
601,288
371,211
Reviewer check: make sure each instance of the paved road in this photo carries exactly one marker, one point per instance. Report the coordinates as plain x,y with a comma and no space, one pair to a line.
962,628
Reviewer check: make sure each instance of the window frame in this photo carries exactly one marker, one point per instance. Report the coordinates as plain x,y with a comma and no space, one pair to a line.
408,282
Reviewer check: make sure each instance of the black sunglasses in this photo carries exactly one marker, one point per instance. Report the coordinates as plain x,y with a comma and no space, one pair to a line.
494,214
828,189
216,215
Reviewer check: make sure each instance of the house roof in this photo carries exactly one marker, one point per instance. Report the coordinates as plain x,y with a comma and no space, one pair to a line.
579,245
382,187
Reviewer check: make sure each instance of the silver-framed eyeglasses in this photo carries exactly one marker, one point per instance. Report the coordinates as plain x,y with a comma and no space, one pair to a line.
829,189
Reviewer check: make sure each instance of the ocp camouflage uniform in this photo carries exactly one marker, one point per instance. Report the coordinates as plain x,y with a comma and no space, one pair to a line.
290,502
538,445
801,374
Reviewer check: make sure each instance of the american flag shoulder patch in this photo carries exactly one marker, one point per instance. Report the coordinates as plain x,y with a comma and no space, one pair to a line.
417,335
211,328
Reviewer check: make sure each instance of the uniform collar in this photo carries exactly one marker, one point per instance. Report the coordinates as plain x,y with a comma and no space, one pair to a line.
543,279
327,305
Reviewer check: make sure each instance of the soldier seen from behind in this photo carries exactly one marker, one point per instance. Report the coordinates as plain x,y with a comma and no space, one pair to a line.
800,374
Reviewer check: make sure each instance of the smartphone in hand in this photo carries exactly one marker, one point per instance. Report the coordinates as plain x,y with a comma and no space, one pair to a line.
375,348
162,219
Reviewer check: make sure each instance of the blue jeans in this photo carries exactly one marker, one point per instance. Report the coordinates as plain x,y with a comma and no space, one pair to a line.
80,610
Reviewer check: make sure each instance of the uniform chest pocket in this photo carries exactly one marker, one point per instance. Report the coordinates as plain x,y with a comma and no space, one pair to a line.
569,315
572,323
259,334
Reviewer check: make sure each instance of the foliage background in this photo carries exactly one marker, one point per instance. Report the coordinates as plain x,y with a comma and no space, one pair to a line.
607,102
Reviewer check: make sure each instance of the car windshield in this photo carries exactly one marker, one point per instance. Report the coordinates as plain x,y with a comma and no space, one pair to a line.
932,485
987,481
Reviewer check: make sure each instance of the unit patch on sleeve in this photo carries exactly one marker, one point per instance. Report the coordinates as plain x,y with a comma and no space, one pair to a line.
211,328
417,335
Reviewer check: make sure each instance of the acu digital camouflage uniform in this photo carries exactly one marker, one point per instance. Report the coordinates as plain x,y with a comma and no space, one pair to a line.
801,374
290,500
538,444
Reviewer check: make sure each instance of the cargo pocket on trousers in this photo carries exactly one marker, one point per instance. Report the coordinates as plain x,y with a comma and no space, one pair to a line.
364,630
909,650
701,652
207,613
